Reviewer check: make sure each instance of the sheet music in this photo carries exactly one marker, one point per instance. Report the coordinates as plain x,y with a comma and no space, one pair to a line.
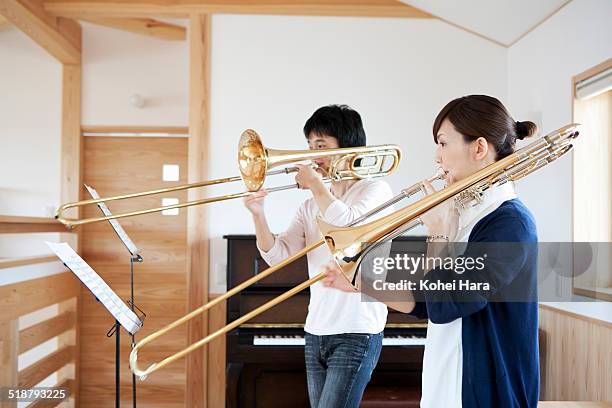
97,286
114,223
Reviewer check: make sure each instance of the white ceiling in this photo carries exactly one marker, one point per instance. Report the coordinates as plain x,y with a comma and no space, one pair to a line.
503,21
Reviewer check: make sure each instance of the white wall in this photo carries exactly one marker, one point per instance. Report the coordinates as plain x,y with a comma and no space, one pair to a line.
270,73
30,125
117,64
540,71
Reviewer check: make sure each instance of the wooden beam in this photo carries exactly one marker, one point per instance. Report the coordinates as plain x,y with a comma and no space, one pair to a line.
197,239
144,26
45,330
70,187
51,226
173,130
32,375
21,225
71,147
25,297
28,260
59,36
183,8
19,219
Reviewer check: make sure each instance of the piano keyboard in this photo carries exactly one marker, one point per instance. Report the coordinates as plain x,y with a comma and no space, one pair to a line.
299,340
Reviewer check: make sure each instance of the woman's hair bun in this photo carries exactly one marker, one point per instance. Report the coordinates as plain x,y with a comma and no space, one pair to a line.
525,129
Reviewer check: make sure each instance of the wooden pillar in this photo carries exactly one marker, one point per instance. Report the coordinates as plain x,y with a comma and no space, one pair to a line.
197,234
71,182
9,351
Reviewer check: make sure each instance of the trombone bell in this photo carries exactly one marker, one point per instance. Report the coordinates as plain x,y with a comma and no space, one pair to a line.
252,160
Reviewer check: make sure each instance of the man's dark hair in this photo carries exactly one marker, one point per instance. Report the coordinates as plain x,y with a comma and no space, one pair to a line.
339,121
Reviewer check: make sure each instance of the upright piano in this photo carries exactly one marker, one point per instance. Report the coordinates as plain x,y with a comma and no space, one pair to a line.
265,357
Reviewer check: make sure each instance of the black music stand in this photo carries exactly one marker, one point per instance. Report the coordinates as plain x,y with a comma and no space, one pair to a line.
134,257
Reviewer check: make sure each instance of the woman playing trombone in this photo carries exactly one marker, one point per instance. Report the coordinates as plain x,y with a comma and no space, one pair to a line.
478,353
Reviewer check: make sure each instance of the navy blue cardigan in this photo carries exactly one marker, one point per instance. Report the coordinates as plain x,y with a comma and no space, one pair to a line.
499,339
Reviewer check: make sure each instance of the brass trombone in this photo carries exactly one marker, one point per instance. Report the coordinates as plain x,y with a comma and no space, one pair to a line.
349,245
406,193
254,162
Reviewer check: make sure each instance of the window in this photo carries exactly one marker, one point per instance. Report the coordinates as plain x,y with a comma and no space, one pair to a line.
592,176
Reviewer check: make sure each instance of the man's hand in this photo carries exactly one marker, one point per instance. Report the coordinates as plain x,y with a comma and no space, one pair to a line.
308,178
255,203
334,278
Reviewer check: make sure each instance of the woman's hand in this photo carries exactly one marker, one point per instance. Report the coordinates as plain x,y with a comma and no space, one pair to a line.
255,203
442,219
308,178
334,278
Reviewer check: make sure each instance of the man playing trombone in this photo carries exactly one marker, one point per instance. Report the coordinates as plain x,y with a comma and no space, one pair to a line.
343,334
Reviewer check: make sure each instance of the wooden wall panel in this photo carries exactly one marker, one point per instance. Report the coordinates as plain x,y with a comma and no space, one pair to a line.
115,165
577,358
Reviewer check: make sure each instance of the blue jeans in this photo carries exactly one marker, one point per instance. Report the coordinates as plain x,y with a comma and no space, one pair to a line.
339,366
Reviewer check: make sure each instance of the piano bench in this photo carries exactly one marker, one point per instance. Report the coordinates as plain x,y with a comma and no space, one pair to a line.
382,397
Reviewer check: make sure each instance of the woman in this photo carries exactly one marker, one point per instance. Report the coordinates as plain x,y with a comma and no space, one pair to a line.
479,353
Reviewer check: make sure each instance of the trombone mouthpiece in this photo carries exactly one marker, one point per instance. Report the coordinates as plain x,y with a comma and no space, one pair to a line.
439,175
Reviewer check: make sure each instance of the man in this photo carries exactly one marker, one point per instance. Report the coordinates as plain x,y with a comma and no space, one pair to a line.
343,334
